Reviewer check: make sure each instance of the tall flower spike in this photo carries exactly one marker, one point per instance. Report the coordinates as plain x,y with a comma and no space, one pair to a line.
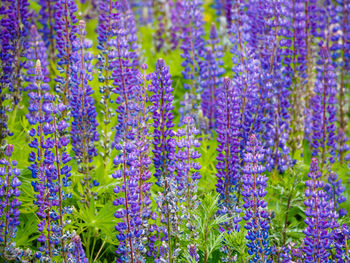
164,150
211,72
162,16
227,127
317,237
14,26
105,66
66,35
341,55
335,189
9,203
324,111
36,51
142,164
192,52
46,19
126,83
256,216
187,170
50,167
41,158
84,125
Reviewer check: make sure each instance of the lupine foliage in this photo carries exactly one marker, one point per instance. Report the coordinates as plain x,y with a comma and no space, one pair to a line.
174,131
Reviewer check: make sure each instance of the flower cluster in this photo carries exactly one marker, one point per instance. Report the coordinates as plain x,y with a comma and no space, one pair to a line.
187,167
211,72
9,203
192,52
66,34
228,159
84,125
164,153
49,166
317,237
256,214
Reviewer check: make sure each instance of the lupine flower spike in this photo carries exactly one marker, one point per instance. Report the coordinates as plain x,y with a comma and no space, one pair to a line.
9,203
317,237
164,159
187,170
256,214
228,175
84,125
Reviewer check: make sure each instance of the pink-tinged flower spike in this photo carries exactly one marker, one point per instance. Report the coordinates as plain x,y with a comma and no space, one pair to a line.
47,20
254,191
228,175
36,51
164,159
317,241
66,34
84,125
193,51
187,170
9,203
14,29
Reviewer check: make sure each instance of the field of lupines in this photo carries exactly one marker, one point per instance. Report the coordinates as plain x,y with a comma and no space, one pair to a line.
174,131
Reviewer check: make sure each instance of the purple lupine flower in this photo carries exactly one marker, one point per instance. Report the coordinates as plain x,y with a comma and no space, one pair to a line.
335,189
126,86
36,51
84,125
161,14
340,37
192,251
176,9
66,34
211,72
142,164
278,82
39,116
192,52
76,253
49,166
105,31
164,150
256,214
293,26
46,19
324,110
187,169
227,127
341,240
9,194
14,26
317,237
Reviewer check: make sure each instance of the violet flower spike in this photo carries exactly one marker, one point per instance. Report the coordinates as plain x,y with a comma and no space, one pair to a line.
192,52
9,203
254,191
187,170
228,160
66,34
84,125
317,237
164,150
